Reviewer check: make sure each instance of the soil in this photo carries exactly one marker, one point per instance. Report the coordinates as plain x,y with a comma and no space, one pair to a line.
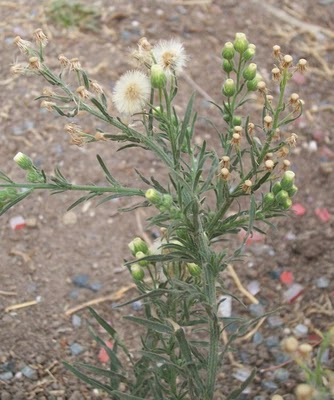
41,260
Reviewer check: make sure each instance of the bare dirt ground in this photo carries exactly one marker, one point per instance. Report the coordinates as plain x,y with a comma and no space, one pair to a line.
41,260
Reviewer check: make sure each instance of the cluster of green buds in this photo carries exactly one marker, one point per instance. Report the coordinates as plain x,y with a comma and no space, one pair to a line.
237,58
6,196
34,175
282,192
139,249
163,202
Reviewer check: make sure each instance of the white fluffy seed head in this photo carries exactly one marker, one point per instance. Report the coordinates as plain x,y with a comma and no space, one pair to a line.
170,54
131,92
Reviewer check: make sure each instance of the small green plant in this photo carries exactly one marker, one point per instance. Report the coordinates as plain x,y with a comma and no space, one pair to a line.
73,14
319,381
180,280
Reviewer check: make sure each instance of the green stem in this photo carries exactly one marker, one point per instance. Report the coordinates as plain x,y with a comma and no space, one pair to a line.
88,188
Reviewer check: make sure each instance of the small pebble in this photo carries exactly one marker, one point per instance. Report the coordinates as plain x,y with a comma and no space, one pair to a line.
29,373
293,292
256,310
275,322
81,281
137,305
76,321
254,287
269,385
257,338
95,286
272,341
225,306
17,223
241,374
6,376
281,374
312,146
76,349
70,218
325,357
300,330
322,282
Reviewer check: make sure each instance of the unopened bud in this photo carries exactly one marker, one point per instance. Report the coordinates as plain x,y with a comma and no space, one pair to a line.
236,120
287,180
137,272
23,161
138,245
286,61
238,129
194,269
229,88
153,196
294,98
281,197
286,165
140,255
35,176
250,128
304,392
252,85
269,199
269,98
250,72
158,77
240,43
276,188
286,204
227,66
249,53
293,190
228,51
290,344
235,139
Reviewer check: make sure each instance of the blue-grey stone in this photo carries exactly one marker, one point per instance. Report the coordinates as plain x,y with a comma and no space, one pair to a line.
269,385
275,322
322,282
76,321
325,357
76,349
259,398
74,294
95,286
137,305
281,374
29,373
257,338
279,356
272,341
6,376
300,330
256,310
81,280
244,357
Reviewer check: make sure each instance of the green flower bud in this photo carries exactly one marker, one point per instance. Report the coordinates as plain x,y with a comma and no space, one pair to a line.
293,190
286,204
281,197
167,201
249,53
158,77
153,196
276,188
227,66
228,51
287,180
229,87
23,161
252,84
237,120
240,43
226,118
269,199
194,269
157,112
140,255
137,272
35,176
250,72
138,245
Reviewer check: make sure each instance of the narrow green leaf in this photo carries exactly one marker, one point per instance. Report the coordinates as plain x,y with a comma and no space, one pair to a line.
90,381
101,371
149,324
85,79
110,178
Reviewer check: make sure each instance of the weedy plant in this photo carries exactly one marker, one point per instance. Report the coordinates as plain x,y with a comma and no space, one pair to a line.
319,381
180,281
